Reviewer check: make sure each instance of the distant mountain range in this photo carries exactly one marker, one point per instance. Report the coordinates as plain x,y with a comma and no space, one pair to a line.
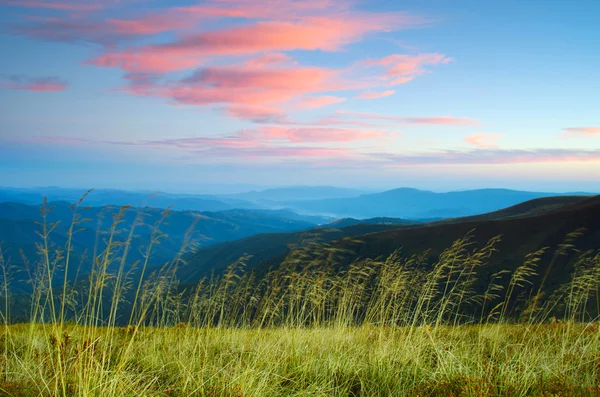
319,201
287,194
418,204
103,197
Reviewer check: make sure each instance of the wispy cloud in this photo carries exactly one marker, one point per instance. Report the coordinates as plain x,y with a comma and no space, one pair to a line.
317,102
250,87
327,147
435,120
261,115
39,84
402,68
248,144
337,135
375,94
53,5
493,156
581,131
483,140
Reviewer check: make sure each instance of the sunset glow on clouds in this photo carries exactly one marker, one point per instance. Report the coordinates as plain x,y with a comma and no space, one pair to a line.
375,95
483,141
40,84
321,81
582,131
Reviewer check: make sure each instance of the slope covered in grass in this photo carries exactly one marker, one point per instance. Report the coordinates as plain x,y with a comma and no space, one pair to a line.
551,221
467,361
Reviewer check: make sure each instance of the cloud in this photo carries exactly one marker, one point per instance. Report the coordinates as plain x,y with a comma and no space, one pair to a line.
325,33
245,144
315,135
237,51
151,24
582,131
270,59
436,120
73,29
264,141
259,115
39,84
242,86
52,5
285,152
402,68
483,140
144,62
52,140
316,145
492,156
374,94
251,9
317,102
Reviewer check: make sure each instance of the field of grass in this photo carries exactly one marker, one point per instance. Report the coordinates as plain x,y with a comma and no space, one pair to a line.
399,326
471,360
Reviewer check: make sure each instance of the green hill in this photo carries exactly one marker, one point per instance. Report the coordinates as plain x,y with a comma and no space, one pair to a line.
524,228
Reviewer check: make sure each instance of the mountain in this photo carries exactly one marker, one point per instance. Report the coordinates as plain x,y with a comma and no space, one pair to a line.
345,222
19,227
297,193
104,197
526,227
413,203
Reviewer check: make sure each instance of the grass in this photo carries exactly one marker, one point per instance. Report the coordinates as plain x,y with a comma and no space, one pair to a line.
393,327
469,360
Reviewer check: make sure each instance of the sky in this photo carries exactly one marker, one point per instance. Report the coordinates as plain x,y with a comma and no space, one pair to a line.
197,96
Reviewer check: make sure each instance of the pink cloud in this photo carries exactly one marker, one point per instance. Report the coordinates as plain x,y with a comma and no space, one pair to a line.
270,59
314,135
258,114
492,156
402,68
53,5
144,62
336,121
251,37
317,102
250,9
243,88
151,24
310,33
286,152
326,33
268,144
42,84
245,144
582,131
437,120
483,141
374,94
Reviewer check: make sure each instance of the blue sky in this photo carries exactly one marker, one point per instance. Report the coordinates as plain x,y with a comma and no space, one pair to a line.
189,96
